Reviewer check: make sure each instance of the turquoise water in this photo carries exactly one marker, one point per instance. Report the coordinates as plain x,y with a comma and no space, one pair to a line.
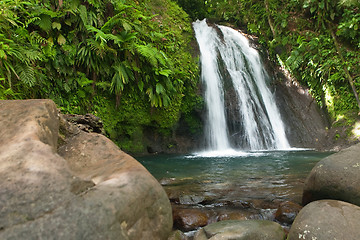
245,176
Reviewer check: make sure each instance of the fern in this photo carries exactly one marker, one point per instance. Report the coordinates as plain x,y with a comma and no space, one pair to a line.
118,19
152,55
149,53
32,55
36,38
26,74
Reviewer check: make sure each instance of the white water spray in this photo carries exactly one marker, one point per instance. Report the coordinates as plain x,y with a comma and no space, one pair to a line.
261,125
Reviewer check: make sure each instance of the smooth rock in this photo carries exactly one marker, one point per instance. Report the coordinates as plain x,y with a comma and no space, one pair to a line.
327,219
138,201
92,191
189,219
241,230
335,177
287,212
34,181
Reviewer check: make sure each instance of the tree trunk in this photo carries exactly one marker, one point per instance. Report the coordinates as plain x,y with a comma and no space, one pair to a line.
269,18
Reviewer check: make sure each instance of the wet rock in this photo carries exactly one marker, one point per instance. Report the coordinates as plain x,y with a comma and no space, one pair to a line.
326,219
178,235
191,199
90,189
167,181
233,215
241,230
263,204
335,177
189,219
287,212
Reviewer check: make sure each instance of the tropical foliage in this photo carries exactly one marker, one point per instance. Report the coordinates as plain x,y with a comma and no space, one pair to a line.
78,52
130,62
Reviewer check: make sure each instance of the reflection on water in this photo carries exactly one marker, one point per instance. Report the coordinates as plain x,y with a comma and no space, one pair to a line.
237,176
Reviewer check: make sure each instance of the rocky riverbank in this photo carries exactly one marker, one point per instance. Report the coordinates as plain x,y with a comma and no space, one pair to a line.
330,199
61,179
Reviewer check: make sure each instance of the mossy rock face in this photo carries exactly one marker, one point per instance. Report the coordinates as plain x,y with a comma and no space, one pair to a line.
326,219
335,177
242,230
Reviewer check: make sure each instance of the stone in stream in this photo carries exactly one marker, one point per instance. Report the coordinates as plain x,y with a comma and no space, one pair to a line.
327,219
90,189
191,199
287,212
241,230
189,218
335,177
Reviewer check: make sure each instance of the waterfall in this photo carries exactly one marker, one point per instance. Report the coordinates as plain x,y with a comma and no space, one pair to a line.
229,64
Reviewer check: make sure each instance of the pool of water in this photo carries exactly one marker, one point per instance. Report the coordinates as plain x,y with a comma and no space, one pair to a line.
235,176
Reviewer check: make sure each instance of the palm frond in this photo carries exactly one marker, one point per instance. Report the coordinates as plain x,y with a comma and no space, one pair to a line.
123,74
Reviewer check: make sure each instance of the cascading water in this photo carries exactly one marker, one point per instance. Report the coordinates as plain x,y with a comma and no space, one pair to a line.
226,54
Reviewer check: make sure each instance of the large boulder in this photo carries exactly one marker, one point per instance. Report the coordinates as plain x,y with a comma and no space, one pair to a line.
241,230
92,190
327,219
335,177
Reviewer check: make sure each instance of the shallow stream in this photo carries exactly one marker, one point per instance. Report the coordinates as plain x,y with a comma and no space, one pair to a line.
247,185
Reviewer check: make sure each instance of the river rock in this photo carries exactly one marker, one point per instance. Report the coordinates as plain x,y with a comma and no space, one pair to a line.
335,177
234,214
178,235
92,190
191,199
189,218
327,219
241,230
287,212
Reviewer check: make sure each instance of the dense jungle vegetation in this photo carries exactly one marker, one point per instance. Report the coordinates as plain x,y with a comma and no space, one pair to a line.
128,62
132,63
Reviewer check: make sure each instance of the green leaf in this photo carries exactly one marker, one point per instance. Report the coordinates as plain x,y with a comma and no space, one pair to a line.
165,72
56,25
61,39
2,54
44,22
141,85
81,93
332,15
159,88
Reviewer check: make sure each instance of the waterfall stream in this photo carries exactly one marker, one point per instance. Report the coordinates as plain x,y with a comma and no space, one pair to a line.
230,64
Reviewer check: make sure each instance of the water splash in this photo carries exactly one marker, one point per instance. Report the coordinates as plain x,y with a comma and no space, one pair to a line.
226,53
